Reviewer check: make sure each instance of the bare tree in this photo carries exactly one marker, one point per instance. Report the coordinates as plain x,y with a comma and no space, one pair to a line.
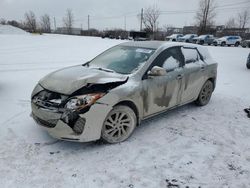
68,21
167,27
231,23
205,15
150,19
243,18
45,23
30,21
15,24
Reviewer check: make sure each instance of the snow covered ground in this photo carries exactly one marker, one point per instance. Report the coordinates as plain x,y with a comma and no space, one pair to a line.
189,146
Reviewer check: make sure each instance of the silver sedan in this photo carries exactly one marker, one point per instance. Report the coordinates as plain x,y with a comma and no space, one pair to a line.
107,97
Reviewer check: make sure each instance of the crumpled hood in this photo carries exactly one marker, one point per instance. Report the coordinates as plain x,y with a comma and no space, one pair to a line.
68,80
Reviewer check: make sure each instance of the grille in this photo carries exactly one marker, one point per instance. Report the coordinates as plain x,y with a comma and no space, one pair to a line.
51,123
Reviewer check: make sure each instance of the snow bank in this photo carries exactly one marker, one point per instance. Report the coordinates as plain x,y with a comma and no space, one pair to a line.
8,29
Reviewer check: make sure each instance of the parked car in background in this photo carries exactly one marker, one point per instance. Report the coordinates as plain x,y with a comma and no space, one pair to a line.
245,43
228,40
110,95
248,61
174,37
205,39
195,40
187,38
138,35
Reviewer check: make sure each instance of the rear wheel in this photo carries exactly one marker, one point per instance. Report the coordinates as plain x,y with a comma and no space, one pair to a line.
205,93
236,44
248,65
119,124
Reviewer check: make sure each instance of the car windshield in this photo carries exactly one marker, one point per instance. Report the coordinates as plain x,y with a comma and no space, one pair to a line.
188,35
222,38
121,59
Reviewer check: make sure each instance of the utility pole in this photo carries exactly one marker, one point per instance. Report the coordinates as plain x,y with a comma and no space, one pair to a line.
125,23
88,27
141,19
55,23
88,22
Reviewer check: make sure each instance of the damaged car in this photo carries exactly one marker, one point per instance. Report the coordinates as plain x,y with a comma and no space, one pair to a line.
107,97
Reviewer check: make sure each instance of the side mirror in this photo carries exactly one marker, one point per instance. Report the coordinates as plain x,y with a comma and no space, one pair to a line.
157,71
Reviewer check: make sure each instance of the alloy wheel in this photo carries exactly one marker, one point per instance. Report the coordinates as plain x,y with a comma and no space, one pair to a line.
118,125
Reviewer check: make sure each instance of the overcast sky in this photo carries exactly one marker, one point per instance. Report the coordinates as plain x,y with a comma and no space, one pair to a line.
111,13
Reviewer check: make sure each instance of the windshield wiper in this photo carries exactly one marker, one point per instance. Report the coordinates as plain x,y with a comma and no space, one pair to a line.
86,64
103,69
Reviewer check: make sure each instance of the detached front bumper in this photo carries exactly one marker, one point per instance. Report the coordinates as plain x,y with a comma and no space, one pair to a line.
55,122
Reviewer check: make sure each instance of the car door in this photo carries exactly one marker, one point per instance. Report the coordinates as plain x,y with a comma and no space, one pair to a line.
163,92
193,72
231,40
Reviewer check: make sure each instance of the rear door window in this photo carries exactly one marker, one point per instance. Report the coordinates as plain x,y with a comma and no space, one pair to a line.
190,55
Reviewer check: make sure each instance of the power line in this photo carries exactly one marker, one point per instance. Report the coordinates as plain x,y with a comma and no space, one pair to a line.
165,12
232,4
222,8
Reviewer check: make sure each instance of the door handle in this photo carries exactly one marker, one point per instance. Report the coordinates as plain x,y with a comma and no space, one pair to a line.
179,77
202,68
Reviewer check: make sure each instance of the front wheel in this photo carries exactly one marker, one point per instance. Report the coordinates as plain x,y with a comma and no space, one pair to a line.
119,124
205,93
223,43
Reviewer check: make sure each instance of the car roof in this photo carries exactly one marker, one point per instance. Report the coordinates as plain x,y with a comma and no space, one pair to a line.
157,44
161,45
144,44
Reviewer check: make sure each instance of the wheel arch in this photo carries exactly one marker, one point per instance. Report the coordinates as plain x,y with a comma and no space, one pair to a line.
213,80
131,105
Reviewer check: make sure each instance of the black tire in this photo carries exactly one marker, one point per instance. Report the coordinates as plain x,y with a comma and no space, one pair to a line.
119,124
205,93
223,43
236,44
201,42
248,65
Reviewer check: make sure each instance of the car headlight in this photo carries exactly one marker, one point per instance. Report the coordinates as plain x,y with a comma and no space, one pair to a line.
82,101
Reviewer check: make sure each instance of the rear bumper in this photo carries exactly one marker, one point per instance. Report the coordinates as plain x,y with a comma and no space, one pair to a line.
55,123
